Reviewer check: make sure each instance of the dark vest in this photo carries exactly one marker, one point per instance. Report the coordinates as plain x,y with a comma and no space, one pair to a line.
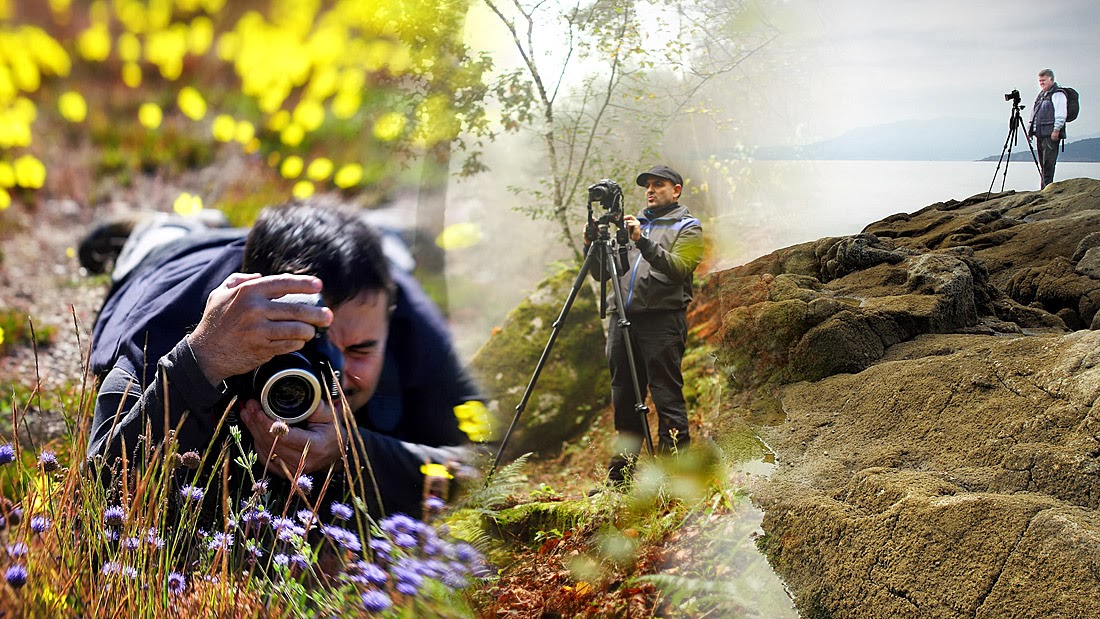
1042,122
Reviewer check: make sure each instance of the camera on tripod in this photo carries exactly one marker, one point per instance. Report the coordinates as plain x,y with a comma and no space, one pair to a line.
610,196
1013,96
290,387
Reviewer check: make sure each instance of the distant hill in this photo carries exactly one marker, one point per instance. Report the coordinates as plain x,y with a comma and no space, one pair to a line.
1081,150
941,139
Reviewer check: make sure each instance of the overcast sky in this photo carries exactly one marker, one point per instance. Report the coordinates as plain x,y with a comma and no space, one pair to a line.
875,62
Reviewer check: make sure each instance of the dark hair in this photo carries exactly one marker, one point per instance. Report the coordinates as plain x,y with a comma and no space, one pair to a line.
332,243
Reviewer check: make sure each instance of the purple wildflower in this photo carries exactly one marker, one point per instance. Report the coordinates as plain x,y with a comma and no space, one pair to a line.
434,504
110,567
304,483
299,561
114,516
220,541
7,454
192,493
306,517
375,601
408,581
111,535
153,539
129,571
40,524
404,540
281,559
344,538
17,550
132,543
47,460
365,573
16,575
176,583
381,547
399,523
341,511
256,517
260,487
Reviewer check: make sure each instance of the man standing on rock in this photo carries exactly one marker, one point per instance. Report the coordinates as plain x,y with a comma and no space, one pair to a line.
667,245
1048,123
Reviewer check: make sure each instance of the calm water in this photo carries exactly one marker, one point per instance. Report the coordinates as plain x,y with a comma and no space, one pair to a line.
780,203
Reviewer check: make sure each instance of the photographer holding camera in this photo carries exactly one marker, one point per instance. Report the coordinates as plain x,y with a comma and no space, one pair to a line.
1048,122
182,332
666,246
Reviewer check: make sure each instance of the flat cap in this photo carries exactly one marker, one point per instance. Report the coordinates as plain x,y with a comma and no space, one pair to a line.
661,171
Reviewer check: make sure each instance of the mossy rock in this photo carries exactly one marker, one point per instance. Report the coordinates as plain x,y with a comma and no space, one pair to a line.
574,382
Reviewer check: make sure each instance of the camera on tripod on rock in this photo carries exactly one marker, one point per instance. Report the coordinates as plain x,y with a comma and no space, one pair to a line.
1013,96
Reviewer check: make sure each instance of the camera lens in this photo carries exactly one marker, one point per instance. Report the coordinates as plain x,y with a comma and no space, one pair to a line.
291,395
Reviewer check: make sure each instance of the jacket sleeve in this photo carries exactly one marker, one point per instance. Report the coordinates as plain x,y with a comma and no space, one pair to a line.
180,398
679,261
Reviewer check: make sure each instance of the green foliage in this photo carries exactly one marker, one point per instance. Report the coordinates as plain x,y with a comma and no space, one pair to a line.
17,329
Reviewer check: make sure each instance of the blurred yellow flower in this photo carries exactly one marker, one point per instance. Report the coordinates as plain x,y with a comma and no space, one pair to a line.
279,120
2,328
389,126
72,106
25,73
224,128
291,167
7,175
435,470
201,36
191,103
292,134
131,74
94,44
459,236
348,176
187,205
319,169
252,146
473,419
302,190
29,172
309,115
129,47
346,104
5,202
245,132
150,115
70,252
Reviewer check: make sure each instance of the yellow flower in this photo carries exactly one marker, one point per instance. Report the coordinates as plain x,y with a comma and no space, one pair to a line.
435,470
150,115
302,190
191,103
252,146
131,74
319,169
279,120
292,167
292,134
70,252
29,172
346,104
224,128
94,44
2,328
349,175
129,47
72,106
201,36
7,175
309,114
245,132
473,419
5,202
187,205
389,126
459,236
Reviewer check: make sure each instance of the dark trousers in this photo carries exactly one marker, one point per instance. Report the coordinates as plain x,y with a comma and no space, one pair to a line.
1048,157
658,343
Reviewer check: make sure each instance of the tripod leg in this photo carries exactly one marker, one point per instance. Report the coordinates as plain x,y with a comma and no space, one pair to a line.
593,254
639,403
1031,148
1009,141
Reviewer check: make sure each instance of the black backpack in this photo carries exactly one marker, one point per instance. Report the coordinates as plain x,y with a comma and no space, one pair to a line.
1073,103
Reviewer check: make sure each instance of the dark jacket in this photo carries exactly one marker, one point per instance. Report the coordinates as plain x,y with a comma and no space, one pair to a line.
1043,120
150,380
662,262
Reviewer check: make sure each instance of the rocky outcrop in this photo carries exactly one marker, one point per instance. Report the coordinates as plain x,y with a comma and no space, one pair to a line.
938,375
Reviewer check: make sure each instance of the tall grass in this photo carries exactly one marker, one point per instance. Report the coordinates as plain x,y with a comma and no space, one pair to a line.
162,537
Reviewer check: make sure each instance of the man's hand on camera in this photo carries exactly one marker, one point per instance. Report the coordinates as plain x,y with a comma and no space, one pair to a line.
326,442
633,226
243,327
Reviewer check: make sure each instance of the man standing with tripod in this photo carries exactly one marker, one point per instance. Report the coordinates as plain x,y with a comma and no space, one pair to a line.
667,245
1048,122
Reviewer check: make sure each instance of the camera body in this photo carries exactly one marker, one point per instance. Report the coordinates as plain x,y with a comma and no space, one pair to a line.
290,387
610,196
1013,96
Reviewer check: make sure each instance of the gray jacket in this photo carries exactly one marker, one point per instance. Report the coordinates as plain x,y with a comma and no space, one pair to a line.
662,262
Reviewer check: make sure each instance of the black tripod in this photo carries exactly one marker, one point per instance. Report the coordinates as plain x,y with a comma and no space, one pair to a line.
1015,123
601,254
